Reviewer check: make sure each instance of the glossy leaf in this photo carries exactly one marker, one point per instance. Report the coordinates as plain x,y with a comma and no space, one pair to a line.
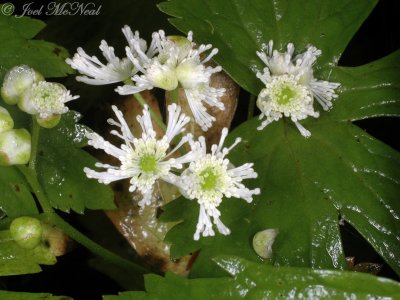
16,260
16,198
307,185
257,281
18,48
60,166
368,91
238,29
8,295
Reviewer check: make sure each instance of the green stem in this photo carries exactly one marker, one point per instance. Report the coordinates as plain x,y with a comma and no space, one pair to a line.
53,218
174,95
31,177
93,246
68,229
154,116
30,174
34,143
252,103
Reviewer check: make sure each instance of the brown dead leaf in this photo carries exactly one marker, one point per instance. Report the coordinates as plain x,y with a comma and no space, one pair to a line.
223,117
140,226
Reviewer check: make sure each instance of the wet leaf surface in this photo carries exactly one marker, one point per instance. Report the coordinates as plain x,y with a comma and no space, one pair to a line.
8,295
16,260
256,281
239,28
60,166
307,185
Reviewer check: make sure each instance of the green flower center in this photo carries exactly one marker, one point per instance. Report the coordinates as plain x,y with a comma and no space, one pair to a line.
47,96
209,179
148,163
285,95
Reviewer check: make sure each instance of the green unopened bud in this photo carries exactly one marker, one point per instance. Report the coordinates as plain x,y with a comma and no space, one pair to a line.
188,74
15,147
26,232
6,122
17,81
49,122
262,242
163,77
183,43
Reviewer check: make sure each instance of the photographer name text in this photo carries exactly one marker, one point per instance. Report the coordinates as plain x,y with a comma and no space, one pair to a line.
60,9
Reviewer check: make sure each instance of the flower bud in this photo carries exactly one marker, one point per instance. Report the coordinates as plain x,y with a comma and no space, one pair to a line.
163,77
26,232
49,122
188,74
15,147
6,122
183,43
262,242
46,99
17,81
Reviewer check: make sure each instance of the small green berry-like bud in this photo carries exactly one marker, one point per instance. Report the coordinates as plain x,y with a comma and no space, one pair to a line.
49,122
15,147
183,43
163,78
17,81
262,242
26,232
6,122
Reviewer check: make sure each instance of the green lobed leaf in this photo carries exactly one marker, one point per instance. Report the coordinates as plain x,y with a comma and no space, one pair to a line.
368,91
18,48
307,185
16,198
256,281
8,295
137,295
60,166
16,260
238,28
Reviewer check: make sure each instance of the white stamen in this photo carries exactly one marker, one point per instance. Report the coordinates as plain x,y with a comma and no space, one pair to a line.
211,177
290,87
143,160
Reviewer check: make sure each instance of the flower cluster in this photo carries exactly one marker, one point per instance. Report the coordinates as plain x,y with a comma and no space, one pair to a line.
290,87
147,159
172,63
168,63
46,100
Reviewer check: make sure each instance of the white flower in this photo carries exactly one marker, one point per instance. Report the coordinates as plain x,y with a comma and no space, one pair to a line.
172,62
290,87
46,99
211,177
116,69
146,159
